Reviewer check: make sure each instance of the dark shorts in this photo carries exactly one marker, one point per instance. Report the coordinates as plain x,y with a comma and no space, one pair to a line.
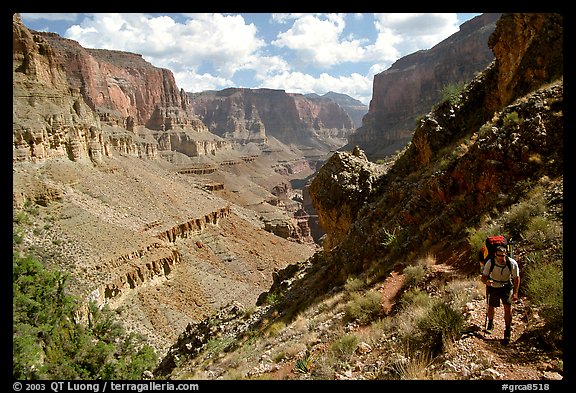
496,295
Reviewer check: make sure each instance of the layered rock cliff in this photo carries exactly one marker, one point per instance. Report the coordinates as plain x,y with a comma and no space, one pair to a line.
413,84
254,115
76,102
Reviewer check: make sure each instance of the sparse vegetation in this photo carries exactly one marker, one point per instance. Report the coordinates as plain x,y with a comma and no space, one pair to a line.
364,308
544,286
451,92
49,344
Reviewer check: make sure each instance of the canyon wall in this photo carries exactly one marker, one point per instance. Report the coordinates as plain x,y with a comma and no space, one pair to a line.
254,115
413,84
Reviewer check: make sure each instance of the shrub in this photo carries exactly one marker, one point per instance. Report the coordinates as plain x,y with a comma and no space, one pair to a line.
354,284
540,230
48,344
364,308
415,297
413,275
544,287
451,92
442,324
344,347
413,366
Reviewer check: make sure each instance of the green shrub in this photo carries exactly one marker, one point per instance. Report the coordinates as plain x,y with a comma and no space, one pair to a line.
415,297
413,274
344,347
215,346
441,324
364,308
519,215
451,92
48,344
544,287
541,231
354,284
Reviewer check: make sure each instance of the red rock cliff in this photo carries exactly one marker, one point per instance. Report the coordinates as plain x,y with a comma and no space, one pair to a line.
254,114
80,103
413,84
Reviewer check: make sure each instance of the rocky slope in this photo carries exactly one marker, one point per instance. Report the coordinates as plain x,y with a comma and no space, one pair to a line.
409,88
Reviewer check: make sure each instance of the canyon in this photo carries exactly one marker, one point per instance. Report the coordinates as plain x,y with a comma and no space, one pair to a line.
168,209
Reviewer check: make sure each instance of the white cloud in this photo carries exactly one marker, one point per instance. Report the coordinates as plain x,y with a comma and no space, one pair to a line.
316,40
200,82
412,32
213,51
355,85
225,43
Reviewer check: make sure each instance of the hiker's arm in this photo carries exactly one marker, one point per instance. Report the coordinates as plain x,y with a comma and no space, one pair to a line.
485,280
516,283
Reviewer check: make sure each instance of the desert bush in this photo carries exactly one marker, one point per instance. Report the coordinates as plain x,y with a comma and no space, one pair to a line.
364,308
48,344
541,231
413,274
414,365
441,324
343,348
543,285
414,297
451,92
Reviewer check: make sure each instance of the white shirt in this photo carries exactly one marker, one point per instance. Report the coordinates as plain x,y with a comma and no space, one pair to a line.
501,273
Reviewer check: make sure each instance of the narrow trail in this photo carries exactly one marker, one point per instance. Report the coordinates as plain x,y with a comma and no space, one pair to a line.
518,360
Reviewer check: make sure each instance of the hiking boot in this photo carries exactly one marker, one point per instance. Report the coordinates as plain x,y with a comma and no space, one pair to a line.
507,333
490,326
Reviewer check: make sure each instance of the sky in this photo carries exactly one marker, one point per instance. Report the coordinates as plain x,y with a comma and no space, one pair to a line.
299,53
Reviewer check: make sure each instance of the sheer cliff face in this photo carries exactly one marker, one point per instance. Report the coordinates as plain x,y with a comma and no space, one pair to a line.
256,114
50,118
414,83
122,86
80,103
533,58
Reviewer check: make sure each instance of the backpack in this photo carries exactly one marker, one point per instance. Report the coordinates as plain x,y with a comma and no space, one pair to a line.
488,251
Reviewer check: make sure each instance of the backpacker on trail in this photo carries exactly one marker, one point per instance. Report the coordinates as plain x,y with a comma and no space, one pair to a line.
488,250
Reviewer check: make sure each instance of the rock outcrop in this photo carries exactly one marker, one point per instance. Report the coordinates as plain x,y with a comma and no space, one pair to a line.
413,84
339,190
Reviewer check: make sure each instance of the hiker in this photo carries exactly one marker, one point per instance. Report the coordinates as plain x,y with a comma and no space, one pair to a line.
502,283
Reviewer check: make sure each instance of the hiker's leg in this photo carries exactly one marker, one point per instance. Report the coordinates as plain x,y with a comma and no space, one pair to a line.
490,313
507,315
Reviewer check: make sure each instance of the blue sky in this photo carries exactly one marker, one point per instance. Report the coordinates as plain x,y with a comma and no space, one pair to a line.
300,53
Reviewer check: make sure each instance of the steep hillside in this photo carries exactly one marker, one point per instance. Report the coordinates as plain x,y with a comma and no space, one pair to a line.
395,292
